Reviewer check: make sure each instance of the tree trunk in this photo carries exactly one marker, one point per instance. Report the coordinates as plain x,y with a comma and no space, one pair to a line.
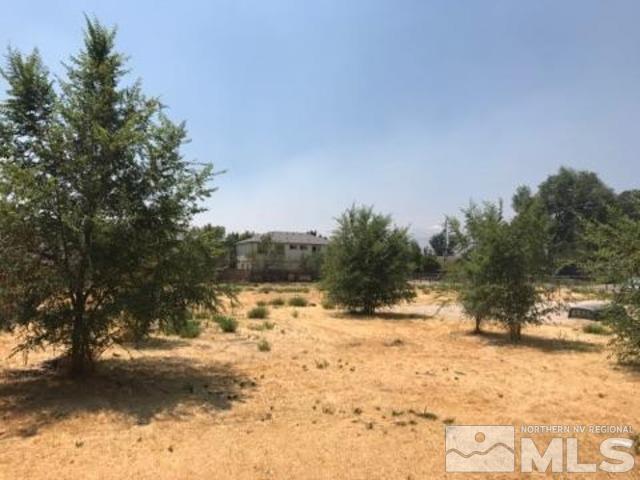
77,347
81,355
81,358
515,331
478,321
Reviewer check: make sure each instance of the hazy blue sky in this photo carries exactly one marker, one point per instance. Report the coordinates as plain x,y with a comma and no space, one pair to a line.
415,107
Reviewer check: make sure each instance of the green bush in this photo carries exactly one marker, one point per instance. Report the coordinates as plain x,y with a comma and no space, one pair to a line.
327,304
227,324
191,328
261,303
596,329
258,312
295,314
277,302
298,301
625,326
187,327
264,345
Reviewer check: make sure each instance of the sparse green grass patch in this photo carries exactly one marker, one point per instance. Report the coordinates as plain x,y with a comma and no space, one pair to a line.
258,312
277,302
596,329
264,345
226,324
328,304
298,301
266,325
322,364
424,414
190,329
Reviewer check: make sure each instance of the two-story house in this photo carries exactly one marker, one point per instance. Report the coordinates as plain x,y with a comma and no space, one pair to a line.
289,251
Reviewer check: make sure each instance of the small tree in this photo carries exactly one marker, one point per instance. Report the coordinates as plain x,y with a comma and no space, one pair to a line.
368,262
475,295
502,263
95,206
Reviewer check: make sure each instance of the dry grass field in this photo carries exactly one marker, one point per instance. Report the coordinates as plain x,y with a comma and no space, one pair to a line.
336,397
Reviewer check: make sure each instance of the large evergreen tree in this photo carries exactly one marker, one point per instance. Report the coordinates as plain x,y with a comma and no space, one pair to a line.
95,206
368,262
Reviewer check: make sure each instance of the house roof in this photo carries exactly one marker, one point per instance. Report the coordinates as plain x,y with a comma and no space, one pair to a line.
288,237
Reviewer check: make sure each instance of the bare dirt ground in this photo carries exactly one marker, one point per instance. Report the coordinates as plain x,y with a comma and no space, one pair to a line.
336,397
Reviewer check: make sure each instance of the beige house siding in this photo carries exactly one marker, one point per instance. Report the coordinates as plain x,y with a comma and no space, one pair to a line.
245,254
293,247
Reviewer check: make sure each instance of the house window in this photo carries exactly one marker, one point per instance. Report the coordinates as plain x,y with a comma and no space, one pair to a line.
303,247
314,248
293,247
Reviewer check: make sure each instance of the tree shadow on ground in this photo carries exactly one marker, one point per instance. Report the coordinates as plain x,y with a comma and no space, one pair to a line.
383,316
157,343
545,344
138,389
630,369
